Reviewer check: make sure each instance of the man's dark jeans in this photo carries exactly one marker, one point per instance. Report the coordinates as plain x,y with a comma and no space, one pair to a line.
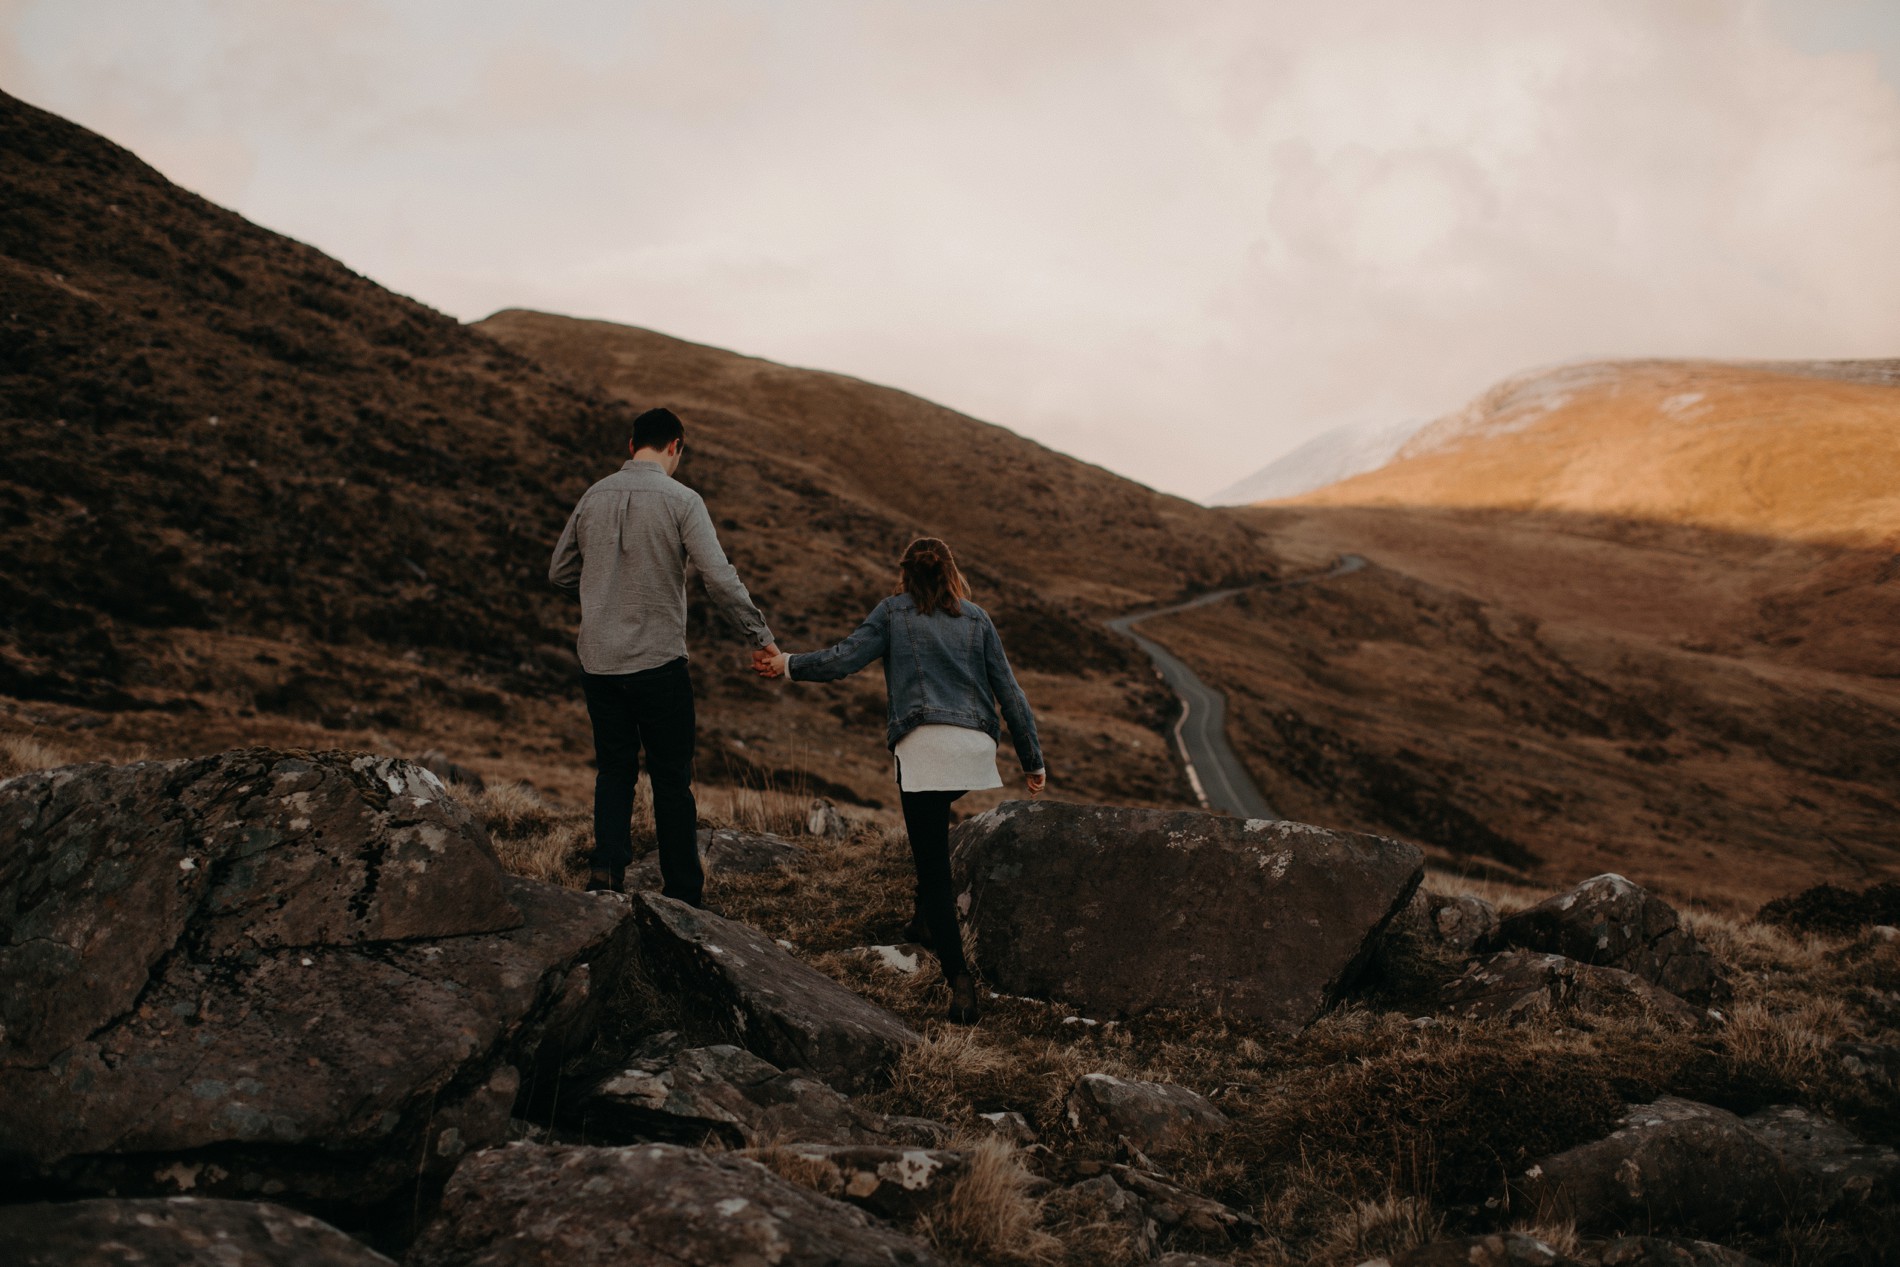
652,709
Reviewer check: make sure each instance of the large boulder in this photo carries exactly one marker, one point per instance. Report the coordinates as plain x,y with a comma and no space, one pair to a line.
745,989
273,973
1149,1115
1523,985
670,1092
1833,1169
174,1232
654,1205
1610,922
1674,1165
1120,911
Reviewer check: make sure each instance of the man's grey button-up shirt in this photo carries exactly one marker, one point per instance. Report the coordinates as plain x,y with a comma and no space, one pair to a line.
625,549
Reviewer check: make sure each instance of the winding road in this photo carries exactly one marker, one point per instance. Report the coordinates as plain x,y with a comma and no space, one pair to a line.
1219,779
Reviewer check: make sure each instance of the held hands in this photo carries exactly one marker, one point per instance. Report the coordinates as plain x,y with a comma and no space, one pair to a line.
769,661
1036,783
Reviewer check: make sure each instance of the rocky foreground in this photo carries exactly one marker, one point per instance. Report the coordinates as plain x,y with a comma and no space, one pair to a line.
280,1007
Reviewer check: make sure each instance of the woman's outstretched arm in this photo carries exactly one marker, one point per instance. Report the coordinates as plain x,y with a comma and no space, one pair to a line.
1012,701
866,645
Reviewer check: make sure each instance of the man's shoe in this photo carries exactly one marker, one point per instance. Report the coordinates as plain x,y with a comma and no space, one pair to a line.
917,931
963,1000
604,880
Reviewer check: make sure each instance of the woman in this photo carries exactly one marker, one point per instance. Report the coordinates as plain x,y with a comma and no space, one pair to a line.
947,676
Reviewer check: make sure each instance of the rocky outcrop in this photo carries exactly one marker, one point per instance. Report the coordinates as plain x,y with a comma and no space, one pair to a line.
174,1232
1183,1217
725,850
670,1092
1672,1165
1152,1116
896,1183
1524,985
1445,926
654,1205
743,988
1609,922
1833,1169
1676,1165
269,973
1121,911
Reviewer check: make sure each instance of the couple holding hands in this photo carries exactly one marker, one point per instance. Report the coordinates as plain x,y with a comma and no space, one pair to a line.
625,550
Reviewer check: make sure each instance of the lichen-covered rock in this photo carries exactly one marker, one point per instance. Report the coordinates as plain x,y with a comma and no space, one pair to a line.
1120,911
173,1232
1673,1166
1609,922
742,988
1832,1167
1150,1115
653,1205
1450,926
693,1095
290,973
1524,985
897,1183
725,850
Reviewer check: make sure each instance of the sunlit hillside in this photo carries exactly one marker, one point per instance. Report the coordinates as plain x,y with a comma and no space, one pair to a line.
1805,451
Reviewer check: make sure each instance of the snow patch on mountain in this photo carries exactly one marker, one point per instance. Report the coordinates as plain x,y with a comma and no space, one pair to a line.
1325,459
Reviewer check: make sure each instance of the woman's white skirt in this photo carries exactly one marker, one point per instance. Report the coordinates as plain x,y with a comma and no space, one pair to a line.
946,759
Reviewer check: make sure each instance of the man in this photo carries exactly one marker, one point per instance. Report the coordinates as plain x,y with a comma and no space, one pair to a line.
625,549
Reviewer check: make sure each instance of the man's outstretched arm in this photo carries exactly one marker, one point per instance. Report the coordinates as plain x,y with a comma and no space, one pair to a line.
722,581
564,570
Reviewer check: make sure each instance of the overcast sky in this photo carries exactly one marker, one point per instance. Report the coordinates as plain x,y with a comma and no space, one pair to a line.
1176,238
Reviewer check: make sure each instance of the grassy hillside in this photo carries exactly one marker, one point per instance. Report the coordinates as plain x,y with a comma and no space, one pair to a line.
252,496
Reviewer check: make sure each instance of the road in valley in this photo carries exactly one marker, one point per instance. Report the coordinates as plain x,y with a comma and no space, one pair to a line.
1219,779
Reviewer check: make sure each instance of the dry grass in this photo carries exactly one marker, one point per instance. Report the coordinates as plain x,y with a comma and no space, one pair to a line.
991,1215
23,754
1357,1138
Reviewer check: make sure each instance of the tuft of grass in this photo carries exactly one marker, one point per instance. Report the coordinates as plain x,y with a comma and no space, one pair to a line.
534,837
1384,1227
23,754
992,1215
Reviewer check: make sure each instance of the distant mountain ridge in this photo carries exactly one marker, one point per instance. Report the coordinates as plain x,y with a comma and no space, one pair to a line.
1326,459
1806,451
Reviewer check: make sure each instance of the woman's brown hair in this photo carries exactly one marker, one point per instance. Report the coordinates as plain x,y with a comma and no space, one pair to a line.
928,572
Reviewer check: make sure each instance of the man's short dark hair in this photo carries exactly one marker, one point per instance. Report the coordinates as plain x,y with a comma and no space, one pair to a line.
657,428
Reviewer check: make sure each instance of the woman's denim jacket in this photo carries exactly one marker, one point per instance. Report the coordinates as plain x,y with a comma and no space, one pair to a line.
939,669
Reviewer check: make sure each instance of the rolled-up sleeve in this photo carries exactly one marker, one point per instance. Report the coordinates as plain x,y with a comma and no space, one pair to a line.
721,579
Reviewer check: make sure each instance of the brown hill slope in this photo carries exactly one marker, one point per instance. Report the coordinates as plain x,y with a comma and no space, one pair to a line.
1634,616
252,495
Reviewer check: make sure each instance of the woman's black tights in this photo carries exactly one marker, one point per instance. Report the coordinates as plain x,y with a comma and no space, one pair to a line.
927,819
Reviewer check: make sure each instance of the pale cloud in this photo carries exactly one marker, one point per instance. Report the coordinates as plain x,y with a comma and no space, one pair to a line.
1176,239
